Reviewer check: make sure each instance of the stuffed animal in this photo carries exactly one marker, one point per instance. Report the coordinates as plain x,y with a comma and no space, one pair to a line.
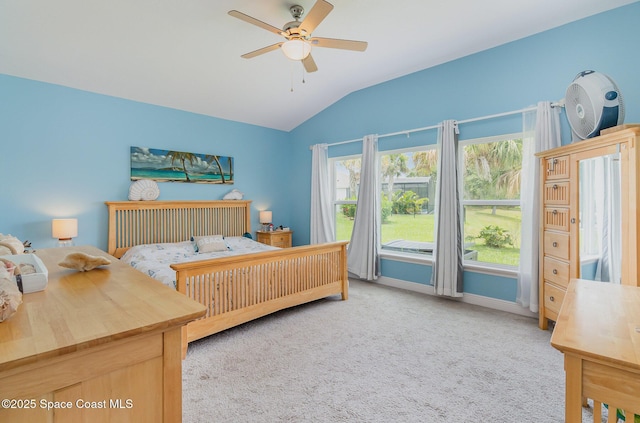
83,262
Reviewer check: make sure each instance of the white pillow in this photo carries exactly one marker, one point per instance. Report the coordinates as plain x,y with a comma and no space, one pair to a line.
208,244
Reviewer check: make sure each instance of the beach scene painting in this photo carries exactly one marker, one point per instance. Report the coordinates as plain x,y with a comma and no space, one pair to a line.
179,166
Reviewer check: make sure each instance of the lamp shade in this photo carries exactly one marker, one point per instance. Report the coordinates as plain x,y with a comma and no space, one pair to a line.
64,228
296,49
265,216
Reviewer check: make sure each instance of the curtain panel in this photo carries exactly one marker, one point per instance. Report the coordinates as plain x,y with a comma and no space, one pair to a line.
363,253
322,215
447,275
541,131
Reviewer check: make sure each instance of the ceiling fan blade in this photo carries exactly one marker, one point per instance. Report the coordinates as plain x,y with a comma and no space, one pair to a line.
341,44
262,50
318,12
309,64
255,22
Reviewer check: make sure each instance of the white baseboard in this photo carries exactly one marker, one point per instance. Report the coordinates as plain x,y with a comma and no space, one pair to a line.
475,299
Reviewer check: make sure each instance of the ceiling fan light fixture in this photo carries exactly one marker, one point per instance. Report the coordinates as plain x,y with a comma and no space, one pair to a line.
296,49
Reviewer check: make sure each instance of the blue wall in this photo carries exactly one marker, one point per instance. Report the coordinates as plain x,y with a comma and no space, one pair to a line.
509,77
65,151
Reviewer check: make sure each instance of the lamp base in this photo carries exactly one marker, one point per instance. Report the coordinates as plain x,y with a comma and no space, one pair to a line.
68,242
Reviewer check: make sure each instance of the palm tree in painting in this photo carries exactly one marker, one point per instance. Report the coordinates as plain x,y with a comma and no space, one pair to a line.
183,158
210,159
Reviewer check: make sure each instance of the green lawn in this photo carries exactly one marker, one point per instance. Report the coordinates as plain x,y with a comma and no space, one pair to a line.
420,228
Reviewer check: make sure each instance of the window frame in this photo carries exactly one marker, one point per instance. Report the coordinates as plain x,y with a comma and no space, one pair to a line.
483,266
493,269
332,174
412,256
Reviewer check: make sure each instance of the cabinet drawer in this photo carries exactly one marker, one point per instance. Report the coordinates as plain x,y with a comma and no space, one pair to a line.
556,244
275,239
556,218
556,271
556,193
278,238
553,297
557,167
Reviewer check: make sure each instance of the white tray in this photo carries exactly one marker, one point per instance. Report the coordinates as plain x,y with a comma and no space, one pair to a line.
32,282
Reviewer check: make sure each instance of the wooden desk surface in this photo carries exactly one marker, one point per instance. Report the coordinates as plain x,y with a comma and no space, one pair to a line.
79,310
600,321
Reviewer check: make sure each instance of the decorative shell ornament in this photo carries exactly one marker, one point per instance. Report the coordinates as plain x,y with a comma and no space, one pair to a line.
10,296
234,194
143,189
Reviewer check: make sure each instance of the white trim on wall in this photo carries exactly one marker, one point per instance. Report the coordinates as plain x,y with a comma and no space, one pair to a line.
479,300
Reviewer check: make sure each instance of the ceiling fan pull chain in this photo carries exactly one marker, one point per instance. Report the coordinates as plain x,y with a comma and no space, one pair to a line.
291,77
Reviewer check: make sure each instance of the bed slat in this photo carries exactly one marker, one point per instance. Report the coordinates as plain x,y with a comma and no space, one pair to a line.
153,222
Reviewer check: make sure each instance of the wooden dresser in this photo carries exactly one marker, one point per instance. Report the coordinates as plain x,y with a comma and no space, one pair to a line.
280,239
555,234
97,346
560,227
598,330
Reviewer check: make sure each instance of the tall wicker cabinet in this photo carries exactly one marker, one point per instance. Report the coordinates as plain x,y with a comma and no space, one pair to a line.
559,211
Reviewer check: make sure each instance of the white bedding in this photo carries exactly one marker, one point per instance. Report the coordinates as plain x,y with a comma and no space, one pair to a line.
154,259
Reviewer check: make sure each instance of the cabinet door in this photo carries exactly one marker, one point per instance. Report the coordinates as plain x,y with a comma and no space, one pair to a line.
119,381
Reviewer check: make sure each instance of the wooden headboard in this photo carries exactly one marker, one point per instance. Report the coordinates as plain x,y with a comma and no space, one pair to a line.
151,222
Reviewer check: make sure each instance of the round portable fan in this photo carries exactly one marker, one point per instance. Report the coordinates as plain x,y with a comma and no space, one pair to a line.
593,103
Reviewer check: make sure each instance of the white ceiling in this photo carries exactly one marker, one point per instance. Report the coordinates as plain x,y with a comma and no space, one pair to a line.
185,54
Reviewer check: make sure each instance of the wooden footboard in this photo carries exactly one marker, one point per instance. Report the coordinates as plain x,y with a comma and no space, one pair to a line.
234,289
239,289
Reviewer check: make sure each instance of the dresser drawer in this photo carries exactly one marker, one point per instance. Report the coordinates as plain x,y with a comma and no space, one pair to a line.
557,167
556,244
556,218
280,239
553,297
556,271
556,193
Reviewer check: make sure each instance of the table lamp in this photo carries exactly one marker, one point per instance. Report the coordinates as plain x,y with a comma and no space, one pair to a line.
265,218
64,230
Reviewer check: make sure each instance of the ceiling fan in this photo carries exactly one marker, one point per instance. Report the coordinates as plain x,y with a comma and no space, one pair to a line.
298,35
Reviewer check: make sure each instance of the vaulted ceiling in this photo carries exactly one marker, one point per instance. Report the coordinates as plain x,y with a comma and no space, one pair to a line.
186,54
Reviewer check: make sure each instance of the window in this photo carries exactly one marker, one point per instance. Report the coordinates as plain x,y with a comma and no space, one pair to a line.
408,185
490,190
346,178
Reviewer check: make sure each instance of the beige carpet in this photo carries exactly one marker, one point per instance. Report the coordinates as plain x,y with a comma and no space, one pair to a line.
385,355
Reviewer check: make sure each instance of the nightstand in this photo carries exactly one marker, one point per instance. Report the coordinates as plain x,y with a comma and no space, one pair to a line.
280,239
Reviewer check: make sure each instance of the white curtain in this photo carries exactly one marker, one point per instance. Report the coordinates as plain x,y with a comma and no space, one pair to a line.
363,252
608,200
322,215
447,276
541,131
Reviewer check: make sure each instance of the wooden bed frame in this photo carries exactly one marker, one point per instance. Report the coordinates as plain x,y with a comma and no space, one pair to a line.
234,289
